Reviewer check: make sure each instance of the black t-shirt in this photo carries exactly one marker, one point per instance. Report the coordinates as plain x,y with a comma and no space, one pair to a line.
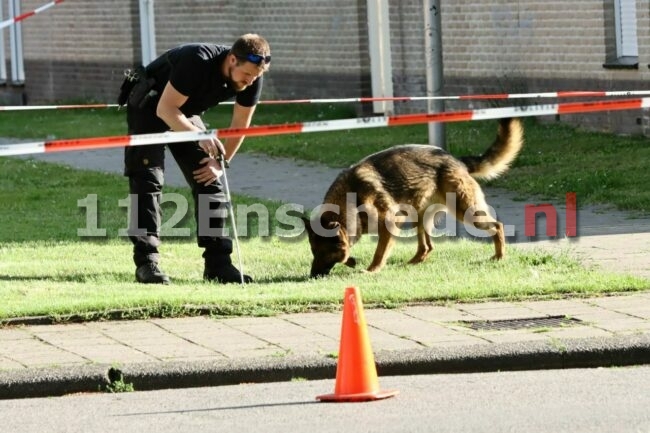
195,71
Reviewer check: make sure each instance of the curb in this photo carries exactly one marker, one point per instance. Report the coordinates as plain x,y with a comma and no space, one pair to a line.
576,353
535,355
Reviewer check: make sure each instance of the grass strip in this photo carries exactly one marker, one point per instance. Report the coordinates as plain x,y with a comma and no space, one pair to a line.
46,268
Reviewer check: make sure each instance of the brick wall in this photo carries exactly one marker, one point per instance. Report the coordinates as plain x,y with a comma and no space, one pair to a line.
408,47
517,46
78,50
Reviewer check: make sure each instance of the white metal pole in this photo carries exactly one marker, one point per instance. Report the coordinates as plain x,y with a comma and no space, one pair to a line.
381,73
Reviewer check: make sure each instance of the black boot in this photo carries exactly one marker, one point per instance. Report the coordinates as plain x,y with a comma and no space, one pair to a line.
150,273
220,269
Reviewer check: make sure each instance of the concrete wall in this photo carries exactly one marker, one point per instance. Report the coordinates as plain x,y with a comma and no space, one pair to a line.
78,50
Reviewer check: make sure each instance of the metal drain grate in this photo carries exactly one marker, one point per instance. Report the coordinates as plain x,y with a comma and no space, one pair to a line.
528,323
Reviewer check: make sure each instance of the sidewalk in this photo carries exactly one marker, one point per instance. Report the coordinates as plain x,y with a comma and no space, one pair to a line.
201,351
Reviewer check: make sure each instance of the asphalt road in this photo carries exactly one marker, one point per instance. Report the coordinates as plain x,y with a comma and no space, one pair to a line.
580,400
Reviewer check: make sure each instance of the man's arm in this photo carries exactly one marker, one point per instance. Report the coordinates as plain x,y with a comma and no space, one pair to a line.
168,110
241,118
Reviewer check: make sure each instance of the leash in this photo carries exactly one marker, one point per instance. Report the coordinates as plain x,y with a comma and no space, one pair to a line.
224,165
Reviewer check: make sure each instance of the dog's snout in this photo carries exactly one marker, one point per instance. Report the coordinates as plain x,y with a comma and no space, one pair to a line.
321,270
318,274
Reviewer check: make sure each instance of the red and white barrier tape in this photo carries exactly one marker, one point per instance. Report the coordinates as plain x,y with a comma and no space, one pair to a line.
101,142
567,94
21,17
53,107
320,126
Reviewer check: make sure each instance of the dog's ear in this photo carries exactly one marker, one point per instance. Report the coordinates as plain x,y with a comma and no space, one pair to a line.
335,226
351,262
331,225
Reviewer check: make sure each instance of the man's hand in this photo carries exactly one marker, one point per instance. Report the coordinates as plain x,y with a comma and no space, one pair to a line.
209,173
212,146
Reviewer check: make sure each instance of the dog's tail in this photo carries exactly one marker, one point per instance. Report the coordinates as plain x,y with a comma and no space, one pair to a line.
497,159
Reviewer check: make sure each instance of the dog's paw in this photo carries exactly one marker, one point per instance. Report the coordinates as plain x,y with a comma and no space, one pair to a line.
417,259
351,262
373,269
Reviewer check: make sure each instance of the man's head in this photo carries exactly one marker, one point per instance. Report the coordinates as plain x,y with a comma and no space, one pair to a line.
249,59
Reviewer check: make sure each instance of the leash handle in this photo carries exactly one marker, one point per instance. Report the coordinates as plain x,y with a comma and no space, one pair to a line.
224,162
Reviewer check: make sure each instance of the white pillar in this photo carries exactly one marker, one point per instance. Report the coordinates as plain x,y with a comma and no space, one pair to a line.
433,62
147,31
3,54
16,44
381,73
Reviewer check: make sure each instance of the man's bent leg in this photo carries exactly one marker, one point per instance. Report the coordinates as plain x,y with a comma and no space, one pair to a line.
211,213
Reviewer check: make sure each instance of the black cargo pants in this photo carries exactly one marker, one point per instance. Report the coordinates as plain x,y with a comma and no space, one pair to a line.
144,166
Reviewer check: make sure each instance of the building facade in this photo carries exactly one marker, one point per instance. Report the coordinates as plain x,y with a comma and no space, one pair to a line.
78,50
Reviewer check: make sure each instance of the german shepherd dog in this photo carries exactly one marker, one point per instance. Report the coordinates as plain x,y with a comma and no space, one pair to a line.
417,176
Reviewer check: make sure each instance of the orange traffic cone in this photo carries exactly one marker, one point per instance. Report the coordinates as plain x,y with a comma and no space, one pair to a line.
356,373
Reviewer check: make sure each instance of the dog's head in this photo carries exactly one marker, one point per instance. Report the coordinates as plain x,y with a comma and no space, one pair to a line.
329,245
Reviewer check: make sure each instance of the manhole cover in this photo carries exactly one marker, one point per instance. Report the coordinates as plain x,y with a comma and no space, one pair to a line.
533,322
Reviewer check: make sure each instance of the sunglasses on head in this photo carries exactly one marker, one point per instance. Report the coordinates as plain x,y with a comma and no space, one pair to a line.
256,58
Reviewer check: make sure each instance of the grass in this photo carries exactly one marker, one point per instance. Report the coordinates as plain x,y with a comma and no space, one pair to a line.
116,383
46,268
91,279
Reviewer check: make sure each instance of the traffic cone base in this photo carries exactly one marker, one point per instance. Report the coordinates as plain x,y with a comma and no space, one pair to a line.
364,396
356,373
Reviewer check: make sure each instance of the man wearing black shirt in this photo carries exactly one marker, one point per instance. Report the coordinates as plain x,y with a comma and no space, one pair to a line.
176,89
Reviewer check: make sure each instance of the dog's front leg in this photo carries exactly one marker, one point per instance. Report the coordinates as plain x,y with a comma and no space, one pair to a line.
384,245
495,230
424,245
499,241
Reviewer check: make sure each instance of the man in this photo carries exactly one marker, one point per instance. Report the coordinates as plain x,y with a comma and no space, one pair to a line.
176,88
